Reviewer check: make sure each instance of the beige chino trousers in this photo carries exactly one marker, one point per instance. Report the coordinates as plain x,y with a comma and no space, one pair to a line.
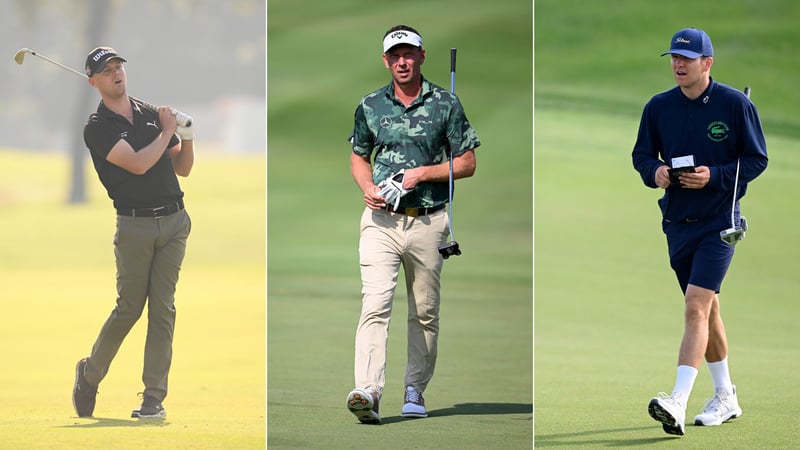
389,240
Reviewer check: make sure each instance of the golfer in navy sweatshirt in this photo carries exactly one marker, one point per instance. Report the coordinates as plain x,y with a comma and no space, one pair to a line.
704,132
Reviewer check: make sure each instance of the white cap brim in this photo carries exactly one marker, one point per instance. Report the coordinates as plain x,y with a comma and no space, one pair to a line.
401,37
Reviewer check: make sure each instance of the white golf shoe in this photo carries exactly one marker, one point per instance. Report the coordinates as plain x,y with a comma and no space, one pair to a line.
722,407
413,404
670,411
363,404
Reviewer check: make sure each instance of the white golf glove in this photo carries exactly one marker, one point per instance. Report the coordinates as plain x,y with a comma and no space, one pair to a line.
392,190
186,133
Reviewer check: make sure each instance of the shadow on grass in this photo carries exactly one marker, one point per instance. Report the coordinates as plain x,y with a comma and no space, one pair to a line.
100,422
479,409
594,438
471,409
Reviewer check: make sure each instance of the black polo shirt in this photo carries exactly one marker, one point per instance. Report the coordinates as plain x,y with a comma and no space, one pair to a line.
158,186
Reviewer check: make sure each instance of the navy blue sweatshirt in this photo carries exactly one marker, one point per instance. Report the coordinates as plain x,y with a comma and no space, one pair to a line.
717,128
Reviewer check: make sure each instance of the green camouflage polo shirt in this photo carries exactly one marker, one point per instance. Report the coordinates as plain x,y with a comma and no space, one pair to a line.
422,134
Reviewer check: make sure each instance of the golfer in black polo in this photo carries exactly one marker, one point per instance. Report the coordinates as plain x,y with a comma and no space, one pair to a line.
137,156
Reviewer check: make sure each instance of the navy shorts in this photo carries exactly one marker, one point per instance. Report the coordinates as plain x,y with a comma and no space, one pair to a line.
697,254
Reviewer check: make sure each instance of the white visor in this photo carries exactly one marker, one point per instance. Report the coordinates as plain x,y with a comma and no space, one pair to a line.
401,37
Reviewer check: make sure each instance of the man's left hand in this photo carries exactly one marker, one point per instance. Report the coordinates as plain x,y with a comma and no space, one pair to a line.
412,178
186,133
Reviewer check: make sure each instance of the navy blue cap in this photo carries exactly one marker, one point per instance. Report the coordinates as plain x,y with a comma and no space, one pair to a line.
691,43
98,58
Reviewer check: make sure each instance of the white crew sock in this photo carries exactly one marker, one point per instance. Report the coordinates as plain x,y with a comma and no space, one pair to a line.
721,375
684,382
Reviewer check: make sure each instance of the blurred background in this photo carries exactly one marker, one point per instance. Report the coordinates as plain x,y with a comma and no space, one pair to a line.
323,58
57,272
609,313
205,59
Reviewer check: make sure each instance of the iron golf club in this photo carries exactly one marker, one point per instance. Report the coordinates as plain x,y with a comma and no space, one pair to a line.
19,58
451,248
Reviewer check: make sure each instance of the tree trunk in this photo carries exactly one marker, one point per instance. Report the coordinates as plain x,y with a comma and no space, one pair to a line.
99,14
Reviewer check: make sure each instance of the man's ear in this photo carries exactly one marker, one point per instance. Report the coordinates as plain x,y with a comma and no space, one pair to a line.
90,80
385,61
422,58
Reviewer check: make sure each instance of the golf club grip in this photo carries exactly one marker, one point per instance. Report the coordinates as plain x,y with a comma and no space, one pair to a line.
452,70
183,119
747,91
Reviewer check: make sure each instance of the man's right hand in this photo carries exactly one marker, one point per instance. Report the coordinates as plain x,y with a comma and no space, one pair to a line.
662,177
169,122
373,200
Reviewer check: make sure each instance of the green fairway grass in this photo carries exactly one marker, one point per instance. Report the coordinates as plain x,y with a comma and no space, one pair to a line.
57,272
608,310
603,55
322,59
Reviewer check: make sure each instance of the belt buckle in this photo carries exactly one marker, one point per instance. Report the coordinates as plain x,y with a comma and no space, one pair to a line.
413,212
156,214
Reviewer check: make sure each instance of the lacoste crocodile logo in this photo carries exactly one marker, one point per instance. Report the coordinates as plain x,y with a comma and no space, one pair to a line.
718,131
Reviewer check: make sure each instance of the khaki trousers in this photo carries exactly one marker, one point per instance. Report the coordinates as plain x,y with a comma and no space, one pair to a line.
387,241
149,253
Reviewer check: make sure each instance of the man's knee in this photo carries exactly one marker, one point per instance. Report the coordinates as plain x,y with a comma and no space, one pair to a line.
698,303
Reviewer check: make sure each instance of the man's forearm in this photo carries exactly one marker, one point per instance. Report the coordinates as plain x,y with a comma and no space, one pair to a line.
463,167
361,170
123,155
183,158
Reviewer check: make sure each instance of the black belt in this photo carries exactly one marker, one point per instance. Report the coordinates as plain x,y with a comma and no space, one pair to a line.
684,220
416,212
161,211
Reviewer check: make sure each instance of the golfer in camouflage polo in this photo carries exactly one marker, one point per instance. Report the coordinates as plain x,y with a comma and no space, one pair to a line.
415,126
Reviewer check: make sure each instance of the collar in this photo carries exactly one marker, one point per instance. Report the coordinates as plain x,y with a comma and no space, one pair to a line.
102,109
427,88
706,96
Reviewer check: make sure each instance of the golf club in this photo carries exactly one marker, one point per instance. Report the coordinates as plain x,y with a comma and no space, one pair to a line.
451,248
734,234
19,58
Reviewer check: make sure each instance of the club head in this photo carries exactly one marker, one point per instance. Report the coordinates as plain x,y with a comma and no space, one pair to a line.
20,56
732,236
449,249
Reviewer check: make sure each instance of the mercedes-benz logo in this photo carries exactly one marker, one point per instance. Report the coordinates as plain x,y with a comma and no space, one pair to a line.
386,122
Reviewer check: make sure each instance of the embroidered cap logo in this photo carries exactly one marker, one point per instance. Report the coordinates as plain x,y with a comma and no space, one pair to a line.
100,54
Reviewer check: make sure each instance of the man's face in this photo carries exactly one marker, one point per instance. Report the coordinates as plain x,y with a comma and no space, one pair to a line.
404,62
689,72
112,79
